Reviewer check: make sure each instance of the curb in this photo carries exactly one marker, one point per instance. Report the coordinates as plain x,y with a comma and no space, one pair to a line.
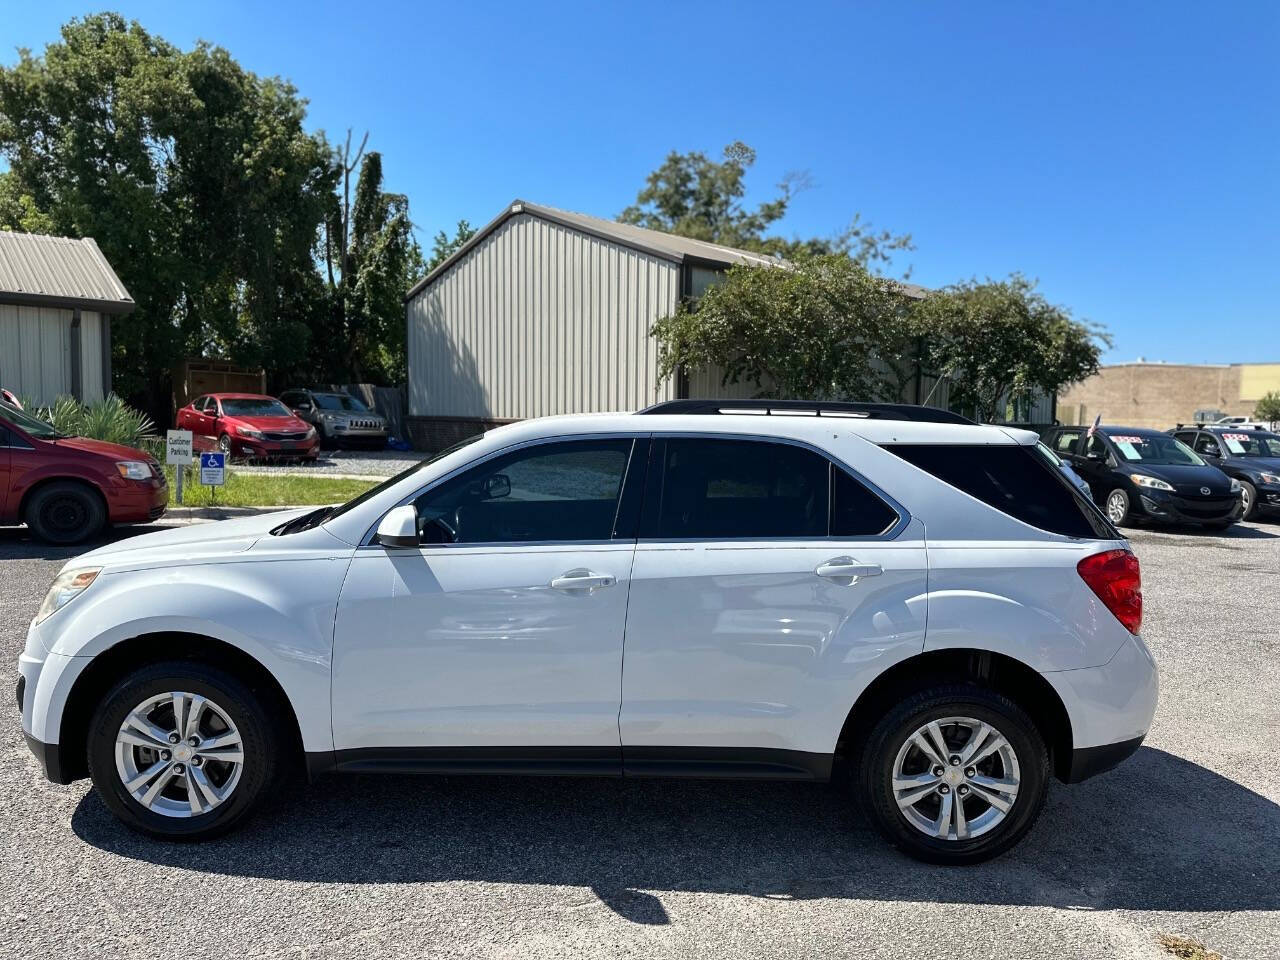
204,514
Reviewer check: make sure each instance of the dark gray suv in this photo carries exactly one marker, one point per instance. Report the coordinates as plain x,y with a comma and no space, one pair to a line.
339,418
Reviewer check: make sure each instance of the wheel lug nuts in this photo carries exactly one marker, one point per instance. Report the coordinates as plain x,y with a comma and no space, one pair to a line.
955,761
165,754
944,789
971,771
962,790
193,741
197,761
174,738
938,771
179,769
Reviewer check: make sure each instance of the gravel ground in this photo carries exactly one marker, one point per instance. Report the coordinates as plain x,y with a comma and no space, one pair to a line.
356,463
1180,839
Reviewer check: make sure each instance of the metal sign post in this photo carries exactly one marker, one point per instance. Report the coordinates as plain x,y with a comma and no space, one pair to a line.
177,451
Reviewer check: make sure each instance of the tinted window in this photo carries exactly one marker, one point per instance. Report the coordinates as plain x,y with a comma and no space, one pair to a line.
1065,442
254,407
339,401
1205,443
1014,480
855,510
734,489
549,492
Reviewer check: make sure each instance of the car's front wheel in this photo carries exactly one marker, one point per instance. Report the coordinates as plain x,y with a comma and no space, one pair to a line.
954,774
65,512
1248,500
1118,507
182,750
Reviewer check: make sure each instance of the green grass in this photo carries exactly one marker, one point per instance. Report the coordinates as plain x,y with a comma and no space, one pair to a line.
264,490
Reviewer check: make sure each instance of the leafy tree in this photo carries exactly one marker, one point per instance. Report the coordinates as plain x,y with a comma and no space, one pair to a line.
1268,407
812,330
443,248
194,176
1000,342
692,195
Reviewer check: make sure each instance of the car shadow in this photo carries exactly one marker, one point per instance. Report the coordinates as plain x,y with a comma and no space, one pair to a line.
17,543
1242,530
1159,833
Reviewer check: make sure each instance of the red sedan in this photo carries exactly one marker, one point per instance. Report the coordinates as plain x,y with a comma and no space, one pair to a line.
248,425
66,489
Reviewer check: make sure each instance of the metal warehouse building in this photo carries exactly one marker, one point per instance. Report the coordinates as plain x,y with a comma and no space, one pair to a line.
57,297
545,312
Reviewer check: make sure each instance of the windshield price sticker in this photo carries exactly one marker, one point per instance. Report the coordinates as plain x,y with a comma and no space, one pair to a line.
1235,442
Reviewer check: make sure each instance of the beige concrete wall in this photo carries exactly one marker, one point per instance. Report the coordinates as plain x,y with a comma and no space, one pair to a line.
1162,394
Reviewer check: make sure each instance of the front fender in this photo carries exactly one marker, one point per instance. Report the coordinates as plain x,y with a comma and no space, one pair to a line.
280,613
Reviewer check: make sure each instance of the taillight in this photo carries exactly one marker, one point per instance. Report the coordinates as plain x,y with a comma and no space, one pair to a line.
1117,580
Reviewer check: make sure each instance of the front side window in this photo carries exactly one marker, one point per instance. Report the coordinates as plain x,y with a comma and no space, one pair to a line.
1015,480
735,489
551,492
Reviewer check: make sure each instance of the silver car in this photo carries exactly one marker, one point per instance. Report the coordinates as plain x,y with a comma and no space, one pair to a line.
339,418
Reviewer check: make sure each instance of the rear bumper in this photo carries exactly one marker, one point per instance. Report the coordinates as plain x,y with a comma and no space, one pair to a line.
1088,762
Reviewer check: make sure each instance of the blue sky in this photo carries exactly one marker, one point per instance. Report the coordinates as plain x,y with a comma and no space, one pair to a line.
1123,154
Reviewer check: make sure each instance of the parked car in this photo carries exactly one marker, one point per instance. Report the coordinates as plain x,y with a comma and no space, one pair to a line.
1247,422
339,418
1250,457
1141,474
248,425
66,489
929,602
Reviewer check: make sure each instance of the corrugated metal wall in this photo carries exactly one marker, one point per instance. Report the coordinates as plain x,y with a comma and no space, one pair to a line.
35,352
536,320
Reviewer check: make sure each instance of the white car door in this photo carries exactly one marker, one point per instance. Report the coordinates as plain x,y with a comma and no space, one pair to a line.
769,586
499,639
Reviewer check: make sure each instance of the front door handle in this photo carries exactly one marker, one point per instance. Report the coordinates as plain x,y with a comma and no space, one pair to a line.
582,579
847,570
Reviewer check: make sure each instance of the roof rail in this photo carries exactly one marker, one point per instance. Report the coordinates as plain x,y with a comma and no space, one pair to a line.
808,408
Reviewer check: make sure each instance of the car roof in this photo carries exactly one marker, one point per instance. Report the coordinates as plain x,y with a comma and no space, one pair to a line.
810,428
1132,431
239,396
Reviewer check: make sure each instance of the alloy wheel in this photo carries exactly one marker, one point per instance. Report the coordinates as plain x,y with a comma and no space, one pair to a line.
1117,506
1246,501
956,778
179,754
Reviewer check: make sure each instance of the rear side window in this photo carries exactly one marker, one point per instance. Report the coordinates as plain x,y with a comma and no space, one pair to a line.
855,510
1066,441
1015,481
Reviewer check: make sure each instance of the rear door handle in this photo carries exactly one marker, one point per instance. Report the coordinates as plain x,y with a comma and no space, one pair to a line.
582,579
847,569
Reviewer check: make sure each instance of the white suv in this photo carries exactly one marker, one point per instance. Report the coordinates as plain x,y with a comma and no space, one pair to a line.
689,591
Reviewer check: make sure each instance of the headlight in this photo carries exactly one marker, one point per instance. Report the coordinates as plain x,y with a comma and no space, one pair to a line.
134,470
1268,478
68,585
1151,483
249,432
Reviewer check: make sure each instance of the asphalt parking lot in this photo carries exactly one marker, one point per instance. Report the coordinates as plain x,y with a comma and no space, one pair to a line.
1182,839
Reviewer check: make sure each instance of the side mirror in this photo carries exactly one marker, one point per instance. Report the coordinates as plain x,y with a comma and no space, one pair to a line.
399,528
497,486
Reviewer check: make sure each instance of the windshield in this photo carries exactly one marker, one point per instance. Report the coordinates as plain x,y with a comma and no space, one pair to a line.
28,424
1251,445
1157,450
317,517
339,401
254,407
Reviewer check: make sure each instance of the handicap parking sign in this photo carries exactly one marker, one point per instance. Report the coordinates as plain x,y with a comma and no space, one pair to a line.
213,469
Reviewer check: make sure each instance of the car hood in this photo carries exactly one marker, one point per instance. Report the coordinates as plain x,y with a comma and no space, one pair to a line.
272,423
116,451
1187,478
199,542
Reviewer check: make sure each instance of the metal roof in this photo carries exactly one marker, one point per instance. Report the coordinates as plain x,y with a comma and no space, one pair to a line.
59,272
654,242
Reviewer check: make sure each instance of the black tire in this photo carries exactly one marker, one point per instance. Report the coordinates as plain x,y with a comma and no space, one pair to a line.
253,718
224,444
874,774
1249,495
65,512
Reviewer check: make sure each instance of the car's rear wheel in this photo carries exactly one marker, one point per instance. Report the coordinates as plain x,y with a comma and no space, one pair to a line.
1248,500
182,750
954,775
1118,507
65,512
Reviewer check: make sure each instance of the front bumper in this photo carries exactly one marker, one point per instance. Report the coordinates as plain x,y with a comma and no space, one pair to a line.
1174,508
1268,502
272,449
44,683
137,501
